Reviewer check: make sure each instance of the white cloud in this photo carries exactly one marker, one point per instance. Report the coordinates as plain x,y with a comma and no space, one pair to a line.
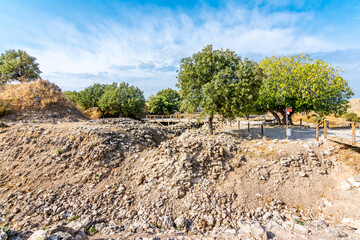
148,51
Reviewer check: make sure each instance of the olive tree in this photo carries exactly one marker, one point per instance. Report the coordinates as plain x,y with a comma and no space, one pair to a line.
166,101
218,82
304,84
18,65
121,100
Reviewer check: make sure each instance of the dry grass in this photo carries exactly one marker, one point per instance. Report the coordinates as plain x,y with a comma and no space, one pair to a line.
33,95
92,113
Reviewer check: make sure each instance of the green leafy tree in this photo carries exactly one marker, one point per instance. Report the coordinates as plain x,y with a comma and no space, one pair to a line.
18,65
303,84
351,117
218,82
122,100
166,101
72,96
90,96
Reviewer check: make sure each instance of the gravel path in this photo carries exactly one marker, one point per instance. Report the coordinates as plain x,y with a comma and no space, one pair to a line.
298,132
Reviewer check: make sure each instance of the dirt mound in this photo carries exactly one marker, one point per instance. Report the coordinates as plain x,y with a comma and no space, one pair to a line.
354,106
36,101
132,180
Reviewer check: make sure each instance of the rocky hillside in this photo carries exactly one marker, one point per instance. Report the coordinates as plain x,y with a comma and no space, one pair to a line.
38,101
123,179
354,106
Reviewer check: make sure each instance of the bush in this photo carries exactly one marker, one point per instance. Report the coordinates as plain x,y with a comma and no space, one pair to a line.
122,100
72,96
166,101
351,117
90,96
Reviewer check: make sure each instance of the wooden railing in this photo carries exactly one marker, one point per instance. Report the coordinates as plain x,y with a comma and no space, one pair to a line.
353,129
172,117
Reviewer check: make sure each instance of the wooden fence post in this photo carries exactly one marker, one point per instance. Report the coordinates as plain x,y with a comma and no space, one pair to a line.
353,134
230,123
238,125
325,129
317,132
262,129
248,126
300,121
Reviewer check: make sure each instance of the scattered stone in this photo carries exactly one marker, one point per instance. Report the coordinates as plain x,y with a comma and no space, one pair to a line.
351,222
38,235
180,222
355,181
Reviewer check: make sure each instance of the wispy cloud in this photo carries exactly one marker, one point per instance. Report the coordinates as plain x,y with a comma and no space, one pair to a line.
145,47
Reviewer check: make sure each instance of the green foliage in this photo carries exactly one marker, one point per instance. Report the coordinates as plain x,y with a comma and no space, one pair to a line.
72,96
218,82
122,100
73,218
91,95
299,222
18,65
93,230
318,118
166,101
351,117
59,151
303,84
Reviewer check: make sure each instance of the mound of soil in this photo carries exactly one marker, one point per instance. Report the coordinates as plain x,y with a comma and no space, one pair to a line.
124,179
38,101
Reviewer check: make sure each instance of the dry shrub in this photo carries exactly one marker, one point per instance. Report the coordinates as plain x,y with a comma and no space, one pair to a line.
93,113
38,94
3,109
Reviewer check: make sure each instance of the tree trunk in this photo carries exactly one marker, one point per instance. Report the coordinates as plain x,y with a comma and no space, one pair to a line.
290,118
283,113
278,121
283,120
211,125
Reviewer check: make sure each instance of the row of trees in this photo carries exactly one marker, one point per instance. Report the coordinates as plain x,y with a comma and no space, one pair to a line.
220,82
111,100
214,82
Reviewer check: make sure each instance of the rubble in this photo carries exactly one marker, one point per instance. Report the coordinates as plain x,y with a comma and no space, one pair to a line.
122,177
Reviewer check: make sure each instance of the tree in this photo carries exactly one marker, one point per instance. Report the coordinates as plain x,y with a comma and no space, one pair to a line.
166,101
72,96
218,82
122,100
18,65
90,96
351,117
303,84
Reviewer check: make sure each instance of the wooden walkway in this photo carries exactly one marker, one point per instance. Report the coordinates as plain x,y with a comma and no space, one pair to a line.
172,118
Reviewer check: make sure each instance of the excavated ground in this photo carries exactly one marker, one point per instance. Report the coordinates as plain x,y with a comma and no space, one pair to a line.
123,179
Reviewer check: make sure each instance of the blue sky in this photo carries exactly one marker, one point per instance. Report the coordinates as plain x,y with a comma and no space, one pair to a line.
78,43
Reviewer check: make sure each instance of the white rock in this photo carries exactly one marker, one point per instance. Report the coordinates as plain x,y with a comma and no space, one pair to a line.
301,229
327,203
351,222
355,181
77,226
230,232
345,186
180,222
38,235
266,216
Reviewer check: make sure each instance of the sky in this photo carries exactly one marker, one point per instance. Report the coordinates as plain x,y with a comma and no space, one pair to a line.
78,43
